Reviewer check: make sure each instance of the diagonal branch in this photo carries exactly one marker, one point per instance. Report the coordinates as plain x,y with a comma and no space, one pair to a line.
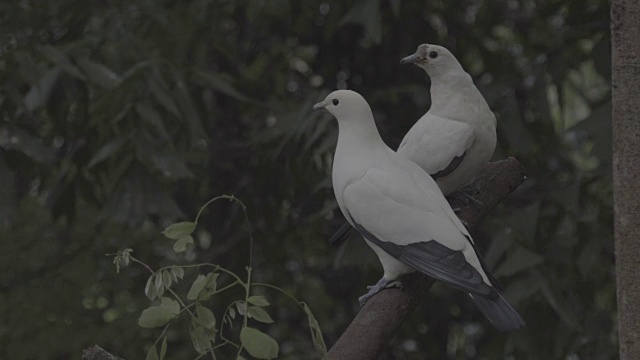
381,317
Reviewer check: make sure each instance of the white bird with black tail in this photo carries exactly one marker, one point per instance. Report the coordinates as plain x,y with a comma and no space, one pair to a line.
457,136
402,214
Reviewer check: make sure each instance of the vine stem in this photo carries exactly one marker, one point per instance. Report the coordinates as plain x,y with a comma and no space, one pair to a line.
246,305
246,217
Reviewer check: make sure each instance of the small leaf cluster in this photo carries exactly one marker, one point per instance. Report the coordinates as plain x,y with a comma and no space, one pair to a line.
206,333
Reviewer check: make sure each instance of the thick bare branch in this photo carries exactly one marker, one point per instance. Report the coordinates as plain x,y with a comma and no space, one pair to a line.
97,353
378,321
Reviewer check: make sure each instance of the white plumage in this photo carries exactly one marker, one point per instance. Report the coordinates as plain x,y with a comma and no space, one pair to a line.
457,136
402,214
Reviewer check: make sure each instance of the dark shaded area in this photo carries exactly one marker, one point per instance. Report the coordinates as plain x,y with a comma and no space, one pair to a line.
121,117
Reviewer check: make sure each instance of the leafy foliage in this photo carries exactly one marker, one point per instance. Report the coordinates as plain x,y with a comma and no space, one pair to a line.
119,116
203,330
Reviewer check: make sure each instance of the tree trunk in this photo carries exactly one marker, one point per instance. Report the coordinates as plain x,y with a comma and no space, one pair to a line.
625,31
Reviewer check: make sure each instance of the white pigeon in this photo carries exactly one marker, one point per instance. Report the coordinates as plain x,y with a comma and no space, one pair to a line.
457,136
402,214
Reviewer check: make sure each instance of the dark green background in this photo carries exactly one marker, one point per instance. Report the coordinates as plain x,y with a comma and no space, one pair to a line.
121,117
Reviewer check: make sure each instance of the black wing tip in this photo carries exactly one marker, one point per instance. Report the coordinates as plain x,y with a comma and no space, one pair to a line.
341,235
500,313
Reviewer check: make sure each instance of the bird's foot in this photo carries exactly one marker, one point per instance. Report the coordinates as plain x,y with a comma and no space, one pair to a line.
379,286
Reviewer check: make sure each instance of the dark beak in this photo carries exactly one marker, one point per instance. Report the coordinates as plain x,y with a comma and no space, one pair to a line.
411,59
320,105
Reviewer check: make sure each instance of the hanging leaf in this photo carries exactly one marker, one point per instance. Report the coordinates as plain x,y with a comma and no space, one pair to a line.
200,340
258,344
258,300
197,286
152,354
179,230
205,317
242,308
163,348
210,287
150,288
159,315
158,284
259,314
182,243
177,272
316,333
166,279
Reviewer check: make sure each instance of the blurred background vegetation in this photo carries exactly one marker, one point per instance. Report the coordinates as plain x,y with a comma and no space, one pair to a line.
121,117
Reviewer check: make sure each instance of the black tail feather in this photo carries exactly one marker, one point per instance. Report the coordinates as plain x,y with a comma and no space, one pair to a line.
499,312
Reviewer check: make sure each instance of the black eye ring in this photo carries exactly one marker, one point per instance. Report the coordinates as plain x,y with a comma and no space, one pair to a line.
336,102
433,54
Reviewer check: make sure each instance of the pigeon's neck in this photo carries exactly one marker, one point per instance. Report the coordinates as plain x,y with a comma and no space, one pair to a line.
451,92
359,132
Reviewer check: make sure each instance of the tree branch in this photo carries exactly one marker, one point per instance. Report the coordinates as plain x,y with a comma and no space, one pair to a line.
381,317
97,353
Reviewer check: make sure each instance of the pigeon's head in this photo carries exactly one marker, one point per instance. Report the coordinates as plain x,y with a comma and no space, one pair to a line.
344,104
433,59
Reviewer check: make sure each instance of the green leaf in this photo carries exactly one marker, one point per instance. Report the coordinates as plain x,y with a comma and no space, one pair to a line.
159,315
232,313
170,165
258,300
106,151
521,259
158,283
153,118
220,82
205,317
59,58
197,286
150,289
166,279
240,357
177,272
181,244
162,94
39,93
242,308
152,354
258,344
210,287
179,230
163,348
99,74
201,342
259,314
316,333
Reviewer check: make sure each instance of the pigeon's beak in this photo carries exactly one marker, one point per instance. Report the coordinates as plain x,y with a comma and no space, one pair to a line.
320,105
411,59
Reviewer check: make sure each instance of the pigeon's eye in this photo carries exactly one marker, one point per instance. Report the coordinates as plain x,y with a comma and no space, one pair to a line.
336,102
433,54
